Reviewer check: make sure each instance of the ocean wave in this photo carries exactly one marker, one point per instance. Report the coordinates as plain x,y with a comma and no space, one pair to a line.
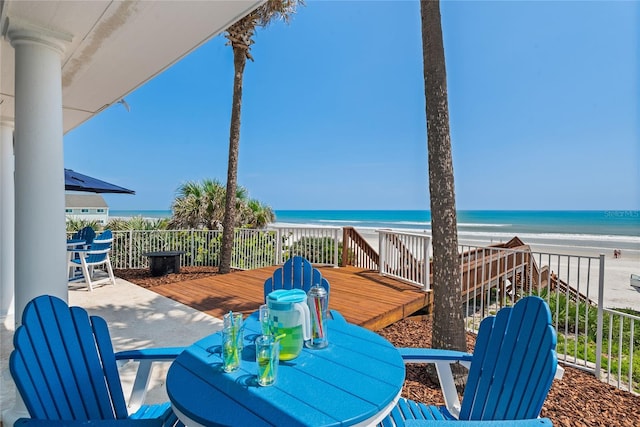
340,221
391,223
556,236
301,225
498,235
381,223
424,223
479,225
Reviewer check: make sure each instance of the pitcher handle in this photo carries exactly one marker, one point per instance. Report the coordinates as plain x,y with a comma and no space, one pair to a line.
306,320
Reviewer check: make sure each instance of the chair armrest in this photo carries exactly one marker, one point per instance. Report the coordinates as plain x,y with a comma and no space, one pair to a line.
146,357
96,241
442,359
433,355
154,354
538,422
88,249
127,422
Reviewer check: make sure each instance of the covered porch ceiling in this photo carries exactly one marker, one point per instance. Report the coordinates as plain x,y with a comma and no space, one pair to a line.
114,47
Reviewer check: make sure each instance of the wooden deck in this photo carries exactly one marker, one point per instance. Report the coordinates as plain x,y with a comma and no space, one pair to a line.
363,297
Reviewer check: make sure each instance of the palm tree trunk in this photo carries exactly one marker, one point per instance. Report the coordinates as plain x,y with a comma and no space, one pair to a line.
448,323
228,223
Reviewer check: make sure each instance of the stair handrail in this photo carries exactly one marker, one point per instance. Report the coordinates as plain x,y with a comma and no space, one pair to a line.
356,250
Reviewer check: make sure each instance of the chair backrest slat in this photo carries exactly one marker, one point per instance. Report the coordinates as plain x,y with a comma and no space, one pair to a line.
513,364
296,273
98,252
109,364
87,234
63,364
44,327
105,237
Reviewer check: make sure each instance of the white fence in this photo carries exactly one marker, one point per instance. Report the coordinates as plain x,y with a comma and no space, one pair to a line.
605,342
318,245
201,247
622,345
405,256
251,249
602,341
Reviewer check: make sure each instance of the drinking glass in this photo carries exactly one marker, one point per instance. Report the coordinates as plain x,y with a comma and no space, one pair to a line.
267,353
230,350
234,321
265,322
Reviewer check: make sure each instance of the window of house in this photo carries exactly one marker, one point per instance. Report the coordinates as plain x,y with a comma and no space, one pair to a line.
85,211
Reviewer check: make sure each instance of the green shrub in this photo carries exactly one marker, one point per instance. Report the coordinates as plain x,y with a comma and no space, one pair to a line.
316,249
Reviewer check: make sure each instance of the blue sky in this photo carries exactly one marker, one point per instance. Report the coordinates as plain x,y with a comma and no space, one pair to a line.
543,98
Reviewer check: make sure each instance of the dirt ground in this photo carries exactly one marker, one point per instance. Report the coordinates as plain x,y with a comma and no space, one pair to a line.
578,399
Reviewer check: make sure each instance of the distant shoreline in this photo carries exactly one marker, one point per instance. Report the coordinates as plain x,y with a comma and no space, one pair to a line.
603,231
584,234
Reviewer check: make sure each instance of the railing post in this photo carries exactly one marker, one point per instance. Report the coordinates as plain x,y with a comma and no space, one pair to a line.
345,247
381,251
600,317
193,251
336,233
278,254
130,257
427,243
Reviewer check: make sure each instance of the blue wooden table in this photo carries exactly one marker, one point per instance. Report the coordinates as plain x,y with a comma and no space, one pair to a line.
356,380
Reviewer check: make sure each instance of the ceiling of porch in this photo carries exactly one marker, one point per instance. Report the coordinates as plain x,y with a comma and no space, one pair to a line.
116,46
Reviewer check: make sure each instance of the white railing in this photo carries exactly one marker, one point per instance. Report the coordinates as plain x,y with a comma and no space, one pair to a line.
491,277
251,248
318,245
201,247
621,349
590,337
405,256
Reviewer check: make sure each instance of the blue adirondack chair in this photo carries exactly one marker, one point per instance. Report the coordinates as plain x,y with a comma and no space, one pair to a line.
64,367
97,255
510,372
105,237
296,273
30,422
87,234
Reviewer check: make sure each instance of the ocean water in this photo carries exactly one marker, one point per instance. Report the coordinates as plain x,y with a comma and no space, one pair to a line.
589,229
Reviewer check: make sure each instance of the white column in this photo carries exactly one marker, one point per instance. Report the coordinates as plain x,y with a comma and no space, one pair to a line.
7,210
40,249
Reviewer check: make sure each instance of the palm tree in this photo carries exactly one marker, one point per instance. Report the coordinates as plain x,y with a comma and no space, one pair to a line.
240,36
448,323
198,205
137,223
75,224
257,215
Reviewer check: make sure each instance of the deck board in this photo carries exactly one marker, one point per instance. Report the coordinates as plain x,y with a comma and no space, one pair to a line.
363,297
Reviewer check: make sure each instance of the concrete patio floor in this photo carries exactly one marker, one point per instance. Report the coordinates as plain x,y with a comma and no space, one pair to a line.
137,318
